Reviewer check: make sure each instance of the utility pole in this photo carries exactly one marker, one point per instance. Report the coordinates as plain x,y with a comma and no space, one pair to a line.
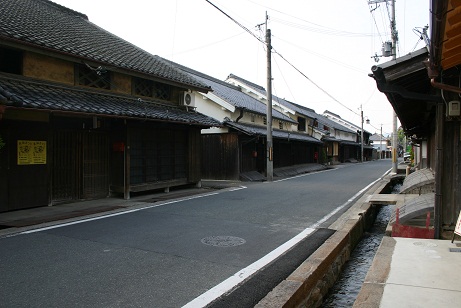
270,152
394,37
394,115
361,134
381,143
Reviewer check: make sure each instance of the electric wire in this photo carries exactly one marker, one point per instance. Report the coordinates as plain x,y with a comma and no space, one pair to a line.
323,56
283,58
284,80
311,81
236,22
376,23
210,44
326,30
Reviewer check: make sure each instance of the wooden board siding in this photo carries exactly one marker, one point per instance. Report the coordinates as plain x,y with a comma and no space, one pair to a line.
220,156
293,153
195,160
451,186
80,165
161,156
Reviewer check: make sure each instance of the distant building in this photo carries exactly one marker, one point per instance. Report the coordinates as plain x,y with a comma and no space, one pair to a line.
382,145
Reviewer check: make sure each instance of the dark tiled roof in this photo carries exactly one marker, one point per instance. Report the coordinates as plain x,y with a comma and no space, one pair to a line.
241,100
253,130
350,123
26,94
249,83
233,94
48,25
305,111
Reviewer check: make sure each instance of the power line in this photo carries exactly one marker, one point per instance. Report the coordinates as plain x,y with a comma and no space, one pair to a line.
322,30
235,21
311,81
326,30
324,57
210,44
283,58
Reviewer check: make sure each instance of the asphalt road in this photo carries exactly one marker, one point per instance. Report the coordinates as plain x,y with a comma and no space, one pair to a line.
173,254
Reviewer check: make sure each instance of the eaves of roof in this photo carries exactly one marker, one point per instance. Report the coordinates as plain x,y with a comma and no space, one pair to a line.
232,95
26,94
253,130
345,142
292,107
408,88
45,25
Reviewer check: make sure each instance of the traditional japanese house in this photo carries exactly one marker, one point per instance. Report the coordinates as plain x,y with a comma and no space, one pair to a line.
423,87
85,114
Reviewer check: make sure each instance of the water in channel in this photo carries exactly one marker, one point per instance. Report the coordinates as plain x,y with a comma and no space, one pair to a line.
346,289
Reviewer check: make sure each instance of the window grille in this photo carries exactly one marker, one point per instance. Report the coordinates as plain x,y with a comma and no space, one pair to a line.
93,77
149,88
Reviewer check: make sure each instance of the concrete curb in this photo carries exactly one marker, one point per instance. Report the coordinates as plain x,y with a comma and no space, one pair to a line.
310,282
373,287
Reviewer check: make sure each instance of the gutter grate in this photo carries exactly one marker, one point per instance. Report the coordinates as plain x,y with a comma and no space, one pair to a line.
455,249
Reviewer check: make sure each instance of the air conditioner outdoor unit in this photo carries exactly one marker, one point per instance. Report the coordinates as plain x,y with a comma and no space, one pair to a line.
187,99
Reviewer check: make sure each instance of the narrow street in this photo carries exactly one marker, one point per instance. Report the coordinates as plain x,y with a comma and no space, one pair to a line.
169,255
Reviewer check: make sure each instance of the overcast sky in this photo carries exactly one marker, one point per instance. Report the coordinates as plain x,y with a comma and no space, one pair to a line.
330,42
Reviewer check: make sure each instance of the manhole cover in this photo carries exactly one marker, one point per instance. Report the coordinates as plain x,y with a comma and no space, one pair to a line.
223,241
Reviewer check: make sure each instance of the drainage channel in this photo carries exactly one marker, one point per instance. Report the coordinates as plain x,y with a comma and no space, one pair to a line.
349,283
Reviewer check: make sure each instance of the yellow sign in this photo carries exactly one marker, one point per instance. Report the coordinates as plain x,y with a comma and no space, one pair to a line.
31,152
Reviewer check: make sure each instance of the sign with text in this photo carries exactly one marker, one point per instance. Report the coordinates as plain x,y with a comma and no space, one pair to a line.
31,152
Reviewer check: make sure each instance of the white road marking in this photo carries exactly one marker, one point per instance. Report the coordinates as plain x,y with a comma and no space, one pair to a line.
245,273
120,213
248,271
231,282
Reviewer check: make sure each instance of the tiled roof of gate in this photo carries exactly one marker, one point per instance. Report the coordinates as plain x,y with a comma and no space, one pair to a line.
50,97
47,25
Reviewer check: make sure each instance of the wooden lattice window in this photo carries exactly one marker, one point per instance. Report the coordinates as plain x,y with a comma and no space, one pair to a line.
162,91
143,87
149,88
93,77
